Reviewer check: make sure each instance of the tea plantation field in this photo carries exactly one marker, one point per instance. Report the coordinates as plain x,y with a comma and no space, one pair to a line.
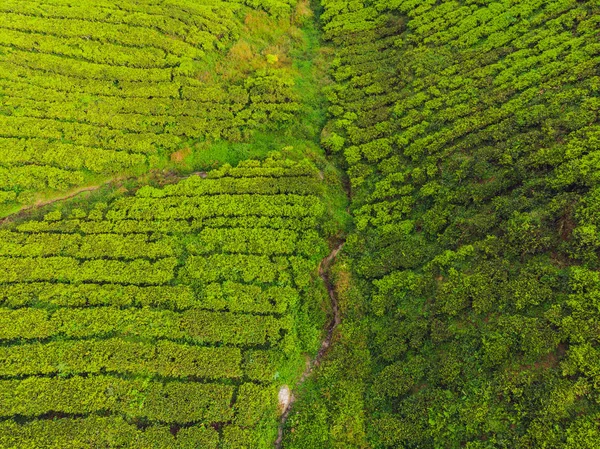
469,131
297,224
93,90
163,319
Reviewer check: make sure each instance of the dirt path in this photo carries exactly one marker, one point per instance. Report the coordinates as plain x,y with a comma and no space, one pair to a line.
68,196
312,364
71,194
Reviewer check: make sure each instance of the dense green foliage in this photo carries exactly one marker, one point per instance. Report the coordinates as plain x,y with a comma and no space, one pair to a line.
166,312
167,318
470,133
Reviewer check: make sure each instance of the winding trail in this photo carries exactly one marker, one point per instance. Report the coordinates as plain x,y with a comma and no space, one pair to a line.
324,267
67,196
73,193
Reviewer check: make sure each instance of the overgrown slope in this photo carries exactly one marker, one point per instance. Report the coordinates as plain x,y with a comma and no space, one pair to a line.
470,134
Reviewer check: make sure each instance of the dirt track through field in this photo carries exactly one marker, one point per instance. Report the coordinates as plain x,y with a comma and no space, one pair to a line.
68,196
324,267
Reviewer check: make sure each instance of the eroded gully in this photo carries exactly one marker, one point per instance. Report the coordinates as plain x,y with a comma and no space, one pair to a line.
324,267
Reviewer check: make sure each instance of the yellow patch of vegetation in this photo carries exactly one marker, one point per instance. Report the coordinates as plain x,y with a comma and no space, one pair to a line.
180,155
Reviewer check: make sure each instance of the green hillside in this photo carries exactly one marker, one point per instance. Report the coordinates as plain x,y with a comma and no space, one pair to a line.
470,134
166,319
272,224
97,90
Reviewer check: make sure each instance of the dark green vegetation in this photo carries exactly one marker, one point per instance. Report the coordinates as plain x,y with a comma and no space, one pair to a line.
168,318
470,134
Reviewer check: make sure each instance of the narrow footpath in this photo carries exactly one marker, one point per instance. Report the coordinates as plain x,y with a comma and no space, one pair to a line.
324,267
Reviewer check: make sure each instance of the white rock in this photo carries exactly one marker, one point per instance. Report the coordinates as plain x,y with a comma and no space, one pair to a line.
285,398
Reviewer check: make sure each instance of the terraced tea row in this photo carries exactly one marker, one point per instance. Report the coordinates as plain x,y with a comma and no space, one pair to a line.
233,296
172,327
